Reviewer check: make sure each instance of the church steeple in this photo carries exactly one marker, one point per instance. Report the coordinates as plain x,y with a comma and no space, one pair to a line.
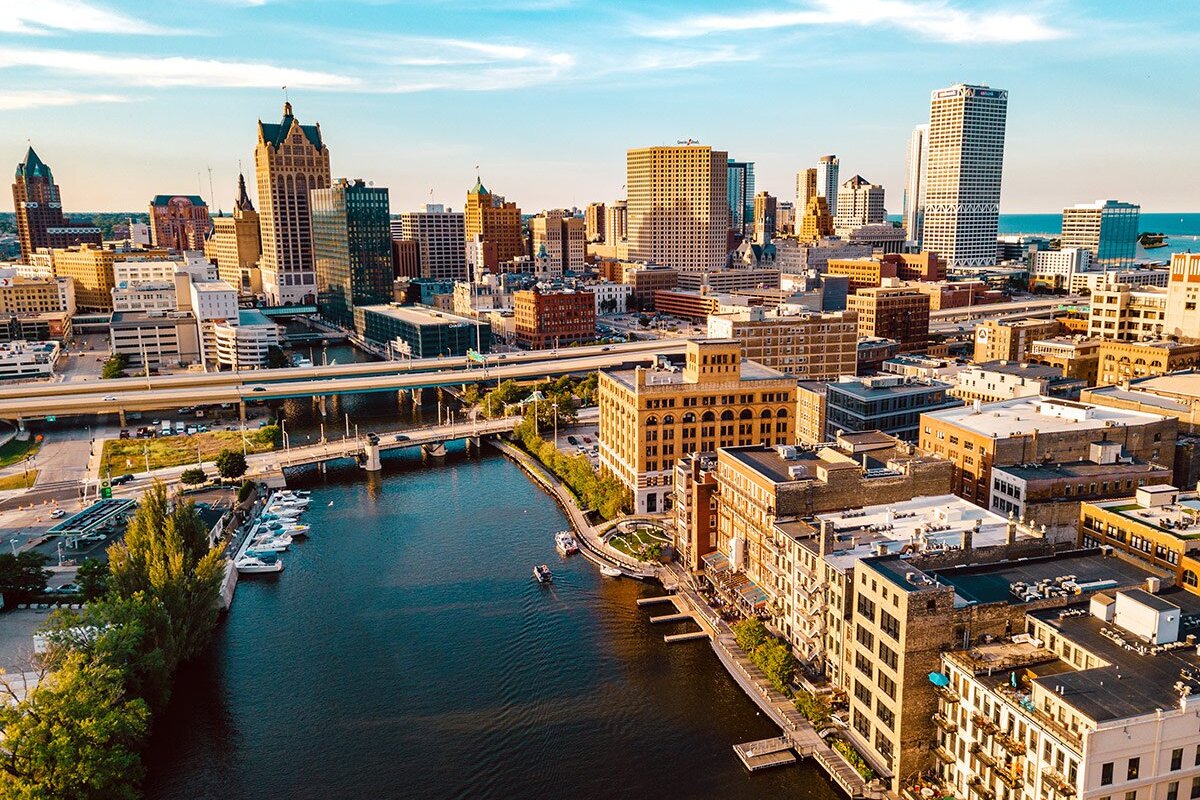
243,200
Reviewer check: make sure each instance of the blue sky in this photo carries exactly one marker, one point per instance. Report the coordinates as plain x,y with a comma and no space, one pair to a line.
128,99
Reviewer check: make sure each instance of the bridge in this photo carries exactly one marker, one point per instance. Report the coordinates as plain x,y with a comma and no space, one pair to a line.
33,401
287,311
1016,309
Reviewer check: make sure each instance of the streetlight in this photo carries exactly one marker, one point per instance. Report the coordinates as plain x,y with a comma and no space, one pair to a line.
146,453
13,544
555,407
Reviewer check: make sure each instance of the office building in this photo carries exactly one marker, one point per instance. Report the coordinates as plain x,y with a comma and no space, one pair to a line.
235,245
643,279
594,222
686,303
438,234
889,403
811,346
785,217
730,280
916,158
558,237
894,313
1153,522
994,381
862,273
290,161
1182,319
1121,362
23,296
766,222
550,318
1175,395
859,203
495,224
678,207
1055,269
962,177
1107,229
422,332
179,222
611,297
806,188
91,268
827,182
740,194
1030,430
810,411
816,223
352,248
28,360
1075,357
616,223
1129,314
39,214
1009,340
406,256
1137,276
651,417
161,338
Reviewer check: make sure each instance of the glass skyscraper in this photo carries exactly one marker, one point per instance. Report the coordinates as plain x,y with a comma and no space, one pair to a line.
352,249
741,195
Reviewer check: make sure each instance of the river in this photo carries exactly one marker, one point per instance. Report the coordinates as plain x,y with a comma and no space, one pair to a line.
405,651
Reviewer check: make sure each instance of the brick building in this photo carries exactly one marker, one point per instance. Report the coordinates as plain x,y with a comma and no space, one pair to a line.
893,313
553,318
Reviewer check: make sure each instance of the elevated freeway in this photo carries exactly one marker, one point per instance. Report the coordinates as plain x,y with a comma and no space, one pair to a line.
105,397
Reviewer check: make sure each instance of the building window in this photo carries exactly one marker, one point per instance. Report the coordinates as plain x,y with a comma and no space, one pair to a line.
1176,759
1106,773
890,625
1173,790
1135,766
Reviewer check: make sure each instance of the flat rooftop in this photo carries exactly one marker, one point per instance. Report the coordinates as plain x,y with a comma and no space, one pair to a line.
1022,369
793,463
1180,519
994,583
1142,396
872,388
658,376
1046,414
419,315
1182,384
1138,679
252,316
1079,469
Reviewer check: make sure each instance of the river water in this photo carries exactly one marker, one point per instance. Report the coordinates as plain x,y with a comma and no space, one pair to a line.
405,651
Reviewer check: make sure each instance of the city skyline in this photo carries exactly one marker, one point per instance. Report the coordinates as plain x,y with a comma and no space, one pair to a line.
393,89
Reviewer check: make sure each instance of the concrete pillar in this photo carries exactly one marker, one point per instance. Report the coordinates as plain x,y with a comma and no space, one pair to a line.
373,463
416,396
322,406
20,423
121,416
242,410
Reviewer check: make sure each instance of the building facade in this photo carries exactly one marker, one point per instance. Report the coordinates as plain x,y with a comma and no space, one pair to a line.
352,248
494,224
678,206
740,194
915,160
439,236
859,203
39,214
892,404
235,245
811,346
544,319
893,313
1107,229
1129,314
179,222
559,238
1183,298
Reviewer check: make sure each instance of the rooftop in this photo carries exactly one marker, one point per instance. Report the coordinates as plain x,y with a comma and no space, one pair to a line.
880,454
1078,469
870,388
1021,369
252,316
1043,414
418,315
1161,507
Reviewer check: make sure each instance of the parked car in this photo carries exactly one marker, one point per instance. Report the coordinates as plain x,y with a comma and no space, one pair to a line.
108,398
57,513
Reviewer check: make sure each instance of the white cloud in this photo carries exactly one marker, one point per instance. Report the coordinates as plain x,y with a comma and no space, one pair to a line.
42,17
932,19
171,70
15,100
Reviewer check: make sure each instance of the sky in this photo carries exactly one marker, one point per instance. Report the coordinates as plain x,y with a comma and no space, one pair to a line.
125,100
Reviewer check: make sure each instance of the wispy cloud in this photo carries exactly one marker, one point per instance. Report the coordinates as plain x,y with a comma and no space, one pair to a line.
170,70
932,19
17,99
44,17
420,63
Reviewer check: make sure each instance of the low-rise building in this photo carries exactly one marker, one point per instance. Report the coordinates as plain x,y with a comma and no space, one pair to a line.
546,318
145,296
23,295
892,313
164,338
686,304
422,332
244,341
1009,340
642,278
1128,314
1094,281
1075,356
889,403
872,352
28,360
611,297
1054,269
694,508
1155,523
914,365
1032,430
729,280
649,418
811,346
1121,362
995,381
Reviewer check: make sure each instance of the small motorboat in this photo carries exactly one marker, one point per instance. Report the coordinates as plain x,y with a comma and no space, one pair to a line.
611,572
542,574
271,542
565,544
251,565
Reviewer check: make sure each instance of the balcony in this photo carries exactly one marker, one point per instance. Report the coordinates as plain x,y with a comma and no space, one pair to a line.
1011,744
1010,779
944,755
983,755
943,722
946,693
1058,783
983,723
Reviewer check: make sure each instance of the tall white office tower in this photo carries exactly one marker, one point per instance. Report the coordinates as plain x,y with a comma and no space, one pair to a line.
962,186
827,182
914,183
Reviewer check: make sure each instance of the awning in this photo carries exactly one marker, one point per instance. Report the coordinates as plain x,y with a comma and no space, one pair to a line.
752,594
715,561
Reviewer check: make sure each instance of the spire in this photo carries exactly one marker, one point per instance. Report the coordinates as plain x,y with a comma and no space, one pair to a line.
243,200
287,108
33,167
478,188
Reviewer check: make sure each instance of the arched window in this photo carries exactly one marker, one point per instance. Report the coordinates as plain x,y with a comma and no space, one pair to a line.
651,420
1156,363
781,412
766,413
689,418
668,420
708,417
726,415
746,414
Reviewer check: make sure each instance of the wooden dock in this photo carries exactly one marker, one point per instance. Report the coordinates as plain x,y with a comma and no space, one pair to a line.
647,601
765,753
685,637
680,617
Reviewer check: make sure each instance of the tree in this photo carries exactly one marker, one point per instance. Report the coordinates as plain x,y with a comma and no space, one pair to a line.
276,358
76,735
193,477
22,576
165,554
749,633
115,366
231,464
245,491
92,577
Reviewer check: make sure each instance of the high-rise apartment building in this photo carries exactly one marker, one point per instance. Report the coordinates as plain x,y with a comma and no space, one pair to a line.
1107,228
827,181
806,188
594,222
558,238
38,206
438,234
741,196
966,161
290,161
915,161
616,222
1183,295
859,203
678,206
765,217
494,226
235,245
352,248
179,221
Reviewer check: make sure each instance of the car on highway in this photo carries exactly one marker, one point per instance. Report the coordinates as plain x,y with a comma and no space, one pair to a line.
605,349
120,479
259,389
108,398
400,437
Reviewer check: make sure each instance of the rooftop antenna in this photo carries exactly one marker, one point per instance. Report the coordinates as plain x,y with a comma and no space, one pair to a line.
211,194
285,95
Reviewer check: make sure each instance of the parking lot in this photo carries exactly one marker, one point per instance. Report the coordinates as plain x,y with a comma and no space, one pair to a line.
581,439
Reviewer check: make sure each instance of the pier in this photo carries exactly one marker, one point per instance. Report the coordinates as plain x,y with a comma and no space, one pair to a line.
765,753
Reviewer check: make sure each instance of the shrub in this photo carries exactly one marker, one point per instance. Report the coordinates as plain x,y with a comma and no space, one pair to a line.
193,476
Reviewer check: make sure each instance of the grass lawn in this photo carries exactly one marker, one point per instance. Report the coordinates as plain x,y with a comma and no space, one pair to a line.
13,451
18,481
128,455
634,544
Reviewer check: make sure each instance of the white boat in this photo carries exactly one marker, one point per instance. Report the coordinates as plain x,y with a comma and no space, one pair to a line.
285,511
273,542
565,544
542,574
287,498
257,565
611,572
285,526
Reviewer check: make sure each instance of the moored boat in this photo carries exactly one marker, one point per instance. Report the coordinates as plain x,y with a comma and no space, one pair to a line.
251,565
611,572
565,544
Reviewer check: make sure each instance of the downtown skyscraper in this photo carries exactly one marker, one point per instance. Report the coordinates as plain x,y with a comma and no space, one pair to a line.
741,196
352,248
827,181
678,206
290,161
38,206
966,161
915,160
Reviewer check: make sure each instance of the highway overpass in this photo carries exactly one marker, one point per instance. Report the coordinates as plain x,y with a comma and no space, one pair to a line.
105,397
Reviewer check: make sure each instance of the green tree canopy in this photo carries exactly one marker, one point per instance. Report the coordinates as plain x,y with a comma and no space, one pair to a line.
22,576
231,464
193,476
92,577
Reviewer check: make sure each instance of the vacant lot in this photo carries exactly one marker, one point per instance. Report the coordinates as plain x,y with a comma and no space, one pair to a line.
129,455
